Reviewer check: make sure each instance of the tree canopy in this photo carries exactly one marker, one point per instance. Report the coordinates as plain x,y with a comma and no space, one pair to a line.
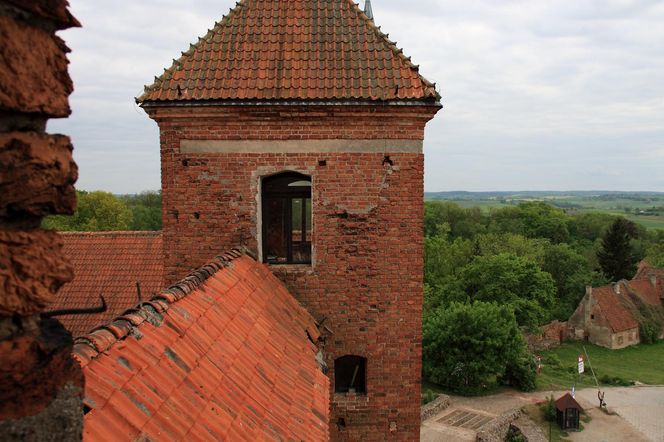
466,346
617,256
103,211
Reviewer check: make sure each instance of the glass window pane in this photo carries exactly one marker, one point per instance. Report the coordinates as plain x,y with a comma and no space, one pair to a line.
276,241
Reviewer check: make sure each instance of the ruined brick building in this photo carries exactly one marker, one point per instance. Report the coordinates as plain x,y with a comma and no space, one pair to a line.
295,129
612,316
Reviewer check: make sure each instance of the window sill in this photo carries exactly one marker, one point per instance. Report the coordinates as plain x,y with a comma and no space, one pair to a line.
292,268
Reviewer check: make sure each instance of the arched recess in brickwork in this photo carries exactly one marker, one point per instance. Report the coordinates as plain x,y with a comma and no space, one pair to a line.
286,218
350,374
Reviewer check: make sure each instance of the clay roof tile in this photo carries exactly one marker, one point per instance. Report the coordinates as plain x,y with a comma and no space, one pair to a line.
231,358
295,50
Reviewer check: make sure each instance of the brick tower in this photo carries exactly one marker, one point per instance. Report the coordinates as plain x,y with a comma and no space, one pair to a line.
295,128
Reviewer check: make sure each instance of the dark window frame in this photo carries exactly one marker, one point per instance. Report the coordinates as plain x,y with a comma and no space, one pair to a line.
345,377
276,187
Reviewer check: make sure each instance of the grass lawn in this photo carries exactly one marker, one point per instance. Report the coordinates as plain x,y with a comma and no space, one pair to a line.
642,363
535,413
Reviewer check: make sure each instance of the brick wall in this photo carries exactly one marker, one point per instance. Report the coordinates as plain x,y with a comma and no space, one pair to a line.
40,384
366,278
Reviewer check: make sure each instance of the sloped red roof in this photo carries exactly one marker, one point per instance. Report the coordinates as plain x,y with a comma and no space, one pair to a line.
649,293
618,317
567,401
226,354
645,269
292,50
108,264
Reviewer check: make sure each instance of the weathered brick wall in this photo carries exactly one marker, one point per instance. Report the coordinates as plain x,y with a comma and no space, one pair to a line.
40,384
366,279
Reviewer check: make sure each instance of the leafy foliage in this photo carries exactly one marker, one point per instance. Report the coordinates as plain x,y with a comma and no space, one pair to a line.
103,211
534,258
509,279
549,410
466,346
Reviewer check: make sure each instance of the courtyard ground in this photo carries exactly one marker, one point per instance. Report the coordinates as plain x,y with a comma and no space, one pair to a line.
639,415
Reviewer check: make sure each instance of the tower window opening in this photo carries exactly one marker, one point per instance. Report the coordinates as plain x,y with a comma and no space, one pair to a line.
287,220
350,374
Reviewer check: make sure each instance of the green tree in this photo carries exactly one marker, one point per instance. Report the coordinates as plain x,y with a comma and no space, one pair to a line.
497,243
591,226
542,220
466,346
571,274
95,211
145,209
509,279
616,256
461,223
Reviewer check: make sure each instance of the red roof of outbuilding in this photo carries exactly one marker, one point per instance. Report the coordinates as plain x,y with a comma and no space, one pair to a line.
618,317
645,269
226,354
108,264
567,401
649,293
292,50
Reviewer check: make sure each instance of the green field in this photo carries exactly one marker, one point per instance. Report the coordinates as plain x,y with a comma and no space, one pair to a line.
641,363
646,209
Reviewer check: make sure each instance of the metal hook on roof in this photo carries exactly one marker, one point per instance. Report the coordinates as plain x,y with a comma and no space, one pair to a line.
77,311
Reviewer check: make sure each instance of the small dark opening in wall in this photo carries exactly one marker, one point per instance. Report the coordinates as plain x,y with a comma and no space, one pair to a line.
176,213
197,215
322,163
350,374
341,423
592,316
86,409
185,163
388,160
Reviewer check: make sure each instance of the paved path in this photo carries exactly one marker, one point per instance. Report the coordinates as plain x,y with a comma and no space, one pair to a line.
642,407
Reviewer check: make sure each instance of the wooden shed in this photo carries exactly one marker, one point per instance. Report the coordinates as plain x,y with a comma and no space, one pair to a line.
568,412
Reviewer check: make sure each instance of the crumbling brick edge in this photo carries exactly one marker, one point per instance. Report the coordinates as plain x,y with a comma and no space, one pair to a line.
496,430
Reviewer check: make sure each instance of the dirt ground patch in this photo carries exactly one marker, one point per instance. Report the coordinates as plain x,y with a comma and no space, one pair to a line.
639,414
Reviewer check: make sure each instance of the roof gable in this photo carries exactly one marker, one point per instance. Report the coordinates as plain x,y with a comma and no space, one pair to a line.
108,264
292,50
225,354
618,317
567,401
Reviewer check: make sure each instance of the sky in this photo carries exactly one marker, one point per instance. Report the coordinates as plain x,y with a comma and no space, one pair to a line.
537,94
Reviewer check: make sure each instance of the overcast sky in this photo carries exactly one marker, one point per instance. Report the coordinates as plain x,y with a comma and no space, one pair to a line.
538,94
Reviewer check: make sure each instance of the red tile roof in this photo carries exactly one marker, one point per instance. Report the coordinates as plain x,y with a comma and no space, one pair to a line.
226,354
618,317
567,401
108,264
645,269
649,293
292,50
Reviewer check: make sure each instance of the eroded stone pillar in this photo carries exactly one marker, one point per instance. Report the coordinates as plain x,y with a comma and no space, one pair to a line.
40,383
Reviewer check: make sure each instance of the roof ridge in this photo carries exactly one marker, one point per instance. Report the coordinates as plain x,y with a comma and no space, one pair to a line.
102,338
393,46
